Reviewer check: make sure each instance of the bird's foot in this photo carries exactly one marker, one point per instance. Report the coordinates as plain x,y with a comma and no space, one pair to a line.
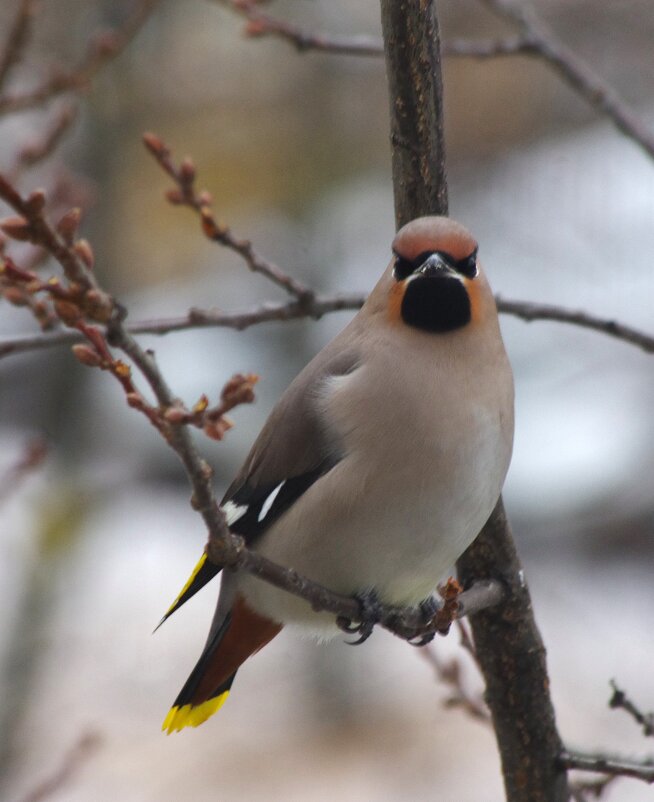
370,614
429,607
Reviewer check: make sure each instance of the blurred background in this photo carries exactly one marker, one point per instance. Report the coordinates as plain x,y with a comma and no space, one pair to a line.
96,542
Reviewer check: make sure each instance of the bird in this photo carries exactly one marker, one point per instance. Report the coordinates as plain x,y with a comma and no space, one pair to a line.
378,466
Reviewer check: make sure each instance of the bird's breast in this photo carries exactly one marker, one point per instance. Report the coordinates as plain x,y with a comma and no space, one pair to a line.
425,457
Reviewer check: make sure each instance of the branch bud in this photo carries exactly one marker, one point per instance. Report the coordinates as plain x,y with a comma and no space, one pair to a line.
15,296
201,405
36,201
85,252
67,312
175,196
17,228
87,356
154,144
187,171
217,429
98,305
67,226
175,415
121,369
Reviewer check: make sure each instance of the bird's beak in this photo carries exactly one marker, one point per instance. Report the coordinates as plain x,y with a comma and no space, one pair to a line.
433,265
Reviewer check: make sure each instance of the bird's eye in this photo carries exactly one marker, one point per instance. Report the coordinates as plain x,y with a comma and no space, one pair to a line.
402,268
468,266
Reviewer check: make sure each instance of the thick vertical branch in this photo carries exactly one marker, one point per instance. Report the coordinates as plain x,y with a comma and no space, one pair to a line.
508,643
512,657
413,67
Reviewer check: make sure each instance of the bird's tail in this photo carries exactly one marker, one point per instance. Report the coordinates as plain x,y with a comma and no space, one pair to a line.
241,633
203,572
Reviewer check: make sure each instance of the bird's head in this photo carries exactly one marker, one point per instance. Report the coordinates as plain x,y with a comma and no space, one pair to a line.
434,281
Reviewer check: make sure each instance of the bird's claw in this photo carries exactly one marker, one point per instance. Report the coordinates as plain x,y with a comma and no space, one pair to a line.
369,616
429,607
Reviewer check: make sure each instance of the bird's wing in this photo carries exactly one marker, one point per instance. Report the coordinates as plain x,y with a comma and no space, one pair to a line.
293,450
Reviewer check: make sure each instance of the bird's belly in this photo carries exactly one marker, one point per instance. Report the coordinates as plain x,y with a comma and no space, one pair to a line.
367,535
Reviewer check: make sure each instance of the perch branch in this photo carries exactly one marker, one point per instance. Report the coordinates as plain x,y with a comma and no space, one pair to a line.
608,764
319,306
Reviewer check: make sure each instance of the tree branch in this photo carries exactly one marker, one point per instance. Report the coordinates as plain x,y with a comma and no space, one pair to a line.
619,699
534,40
103,48
528,311
512,659
72,761
17,37
576,73
607,764
260,24
200,202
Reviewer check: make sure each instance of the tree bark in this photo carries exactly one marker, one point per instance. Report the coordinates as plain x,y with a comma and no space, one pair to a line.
509,646
413,70
512,658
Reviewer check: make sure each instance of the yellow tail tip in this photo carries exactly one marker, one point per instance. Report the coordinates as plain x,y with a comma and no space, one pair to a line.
192,715
183,591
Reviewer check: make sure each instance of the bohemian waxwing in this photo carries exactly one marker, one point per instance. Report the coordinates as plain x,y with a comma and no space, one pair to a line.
378,466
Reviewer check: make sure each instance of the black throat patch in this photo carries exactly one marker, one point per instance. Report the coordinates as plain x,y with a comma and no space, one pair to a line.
436,304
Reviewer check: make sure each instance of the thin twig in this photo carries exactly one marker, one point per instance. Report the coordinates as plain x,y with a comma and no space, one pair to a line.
575,72
528,311
34,453
37,151
319,306
609,764
260,24
582,791
197,319
103,48
534,40
72,761
17,37
619,699
185,194
450,673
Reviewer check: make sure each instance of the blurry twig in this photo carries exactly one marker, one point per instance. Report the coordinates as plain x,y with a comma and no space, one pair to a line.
620,700
609,764
186,195
450,673
534,40
103,47
17,37
575,72
40,149
592,789
34,453
72,761
260,24
528,311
